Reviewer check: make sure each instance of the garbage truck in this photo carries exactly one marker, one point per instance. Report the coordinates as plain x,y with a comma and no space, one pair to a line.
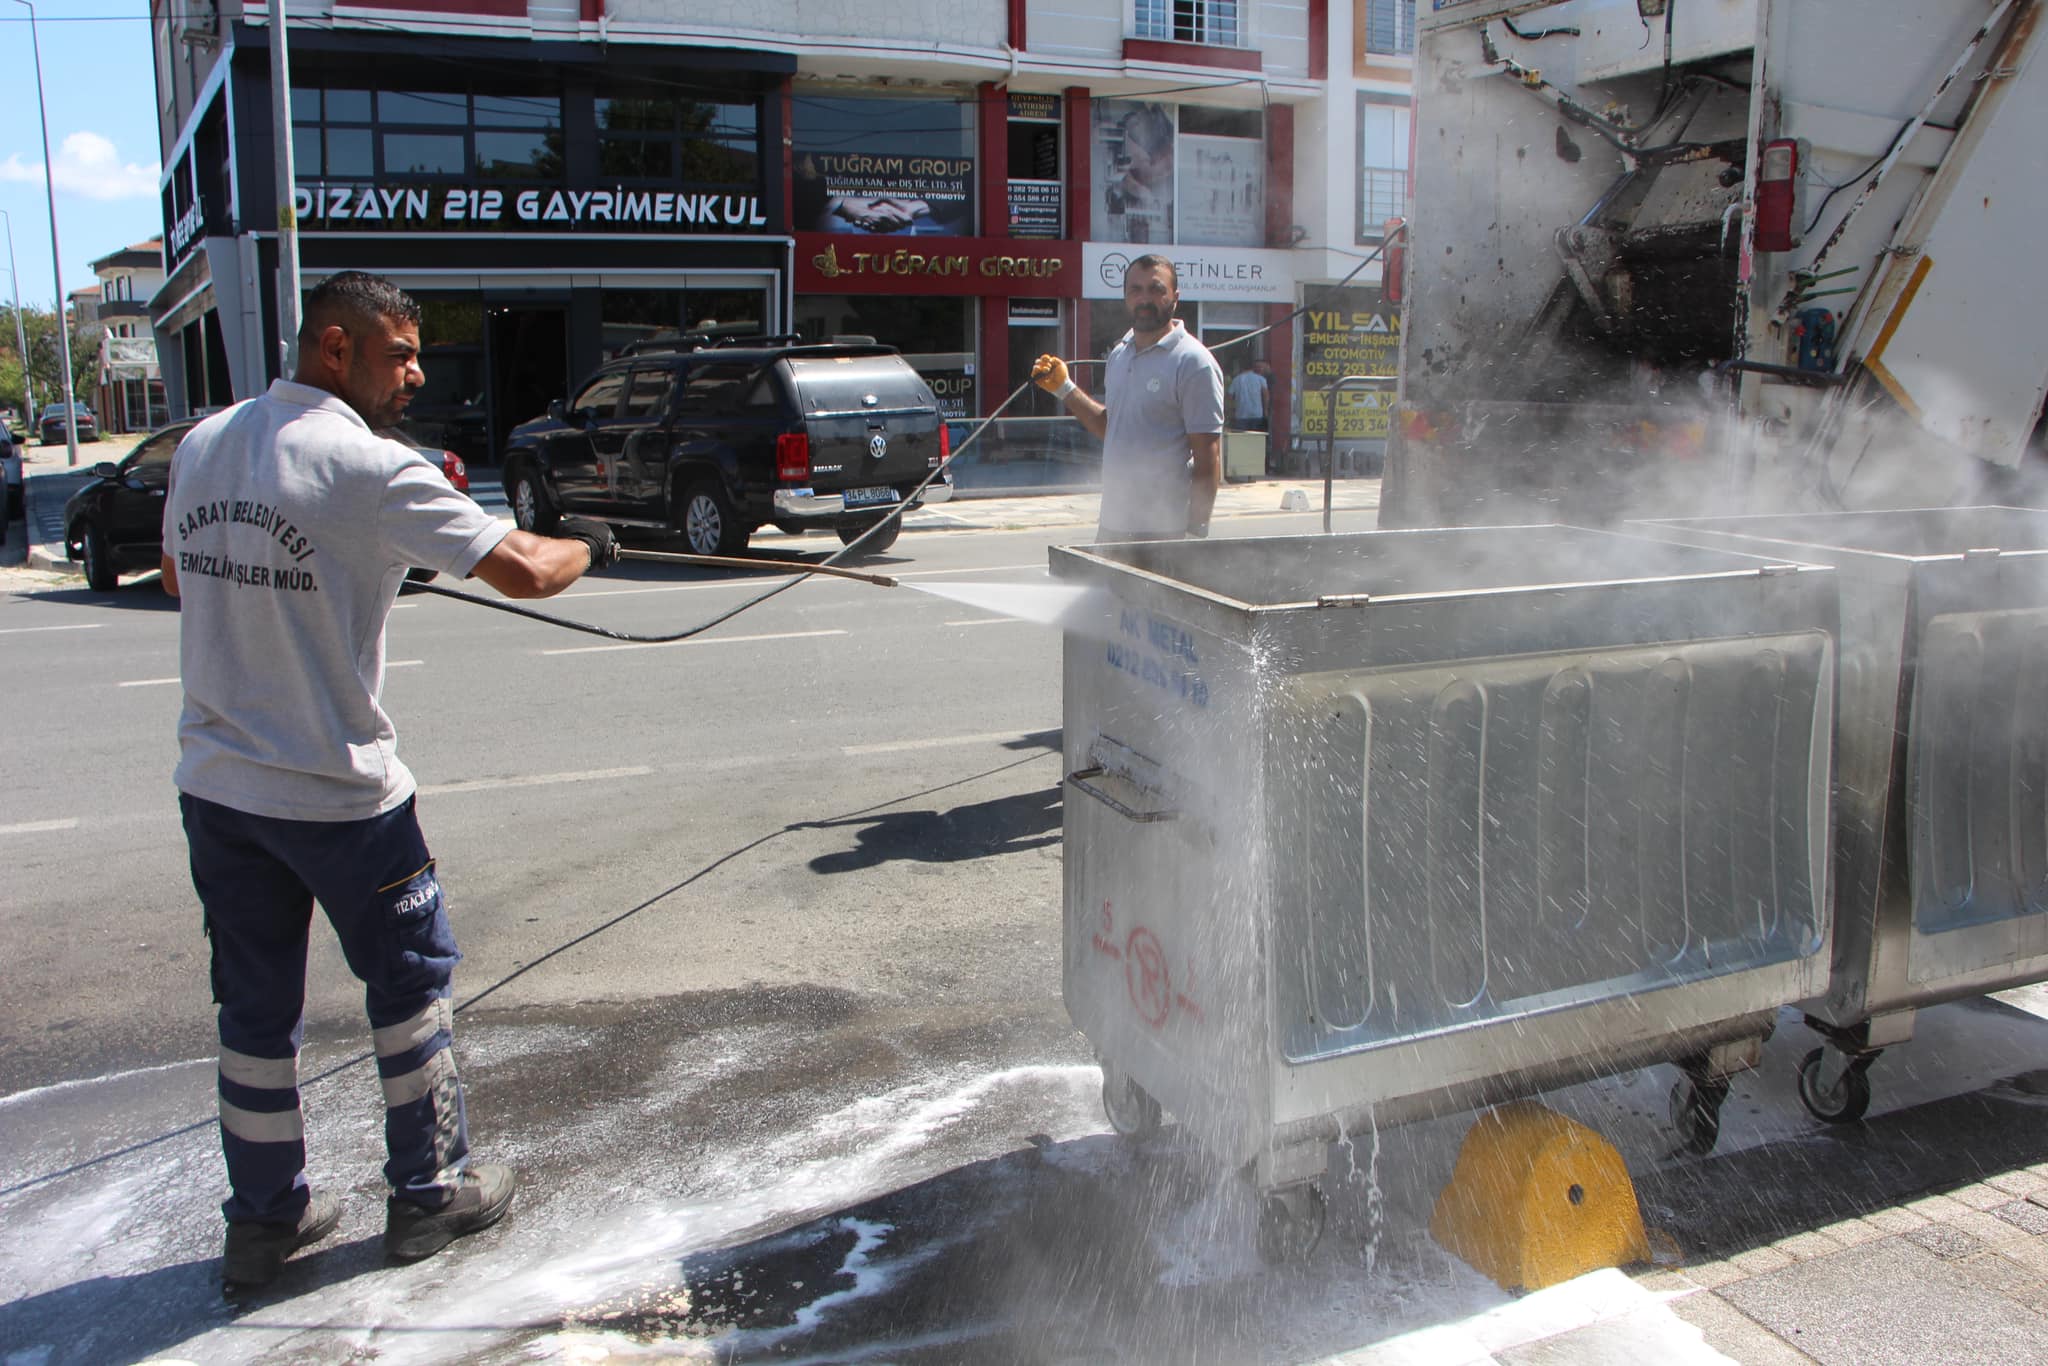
1687,257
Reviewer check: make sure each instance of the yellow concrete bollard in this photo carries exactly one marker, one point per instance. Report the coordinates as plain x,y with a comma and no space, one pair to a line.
1537,1199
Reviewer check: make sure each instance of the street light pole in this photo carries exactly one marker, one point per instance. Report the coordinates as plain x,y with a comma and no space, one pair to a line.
287,196
56,260
28,383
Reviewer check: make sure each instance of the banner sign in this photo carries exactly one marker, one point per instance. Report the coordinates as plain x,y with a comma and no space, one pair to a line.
1035,209
876,195
1345,332
1043,108
461,208
1207,274
827,263
1222,196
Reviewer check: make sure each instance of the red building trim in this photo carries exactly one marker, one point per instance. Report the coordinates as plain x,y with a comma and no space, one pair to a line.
1192,54
1319,40
995,160
1017,9
1280,175
991,379
1279,349
593,10
1079,168
493,9
786,153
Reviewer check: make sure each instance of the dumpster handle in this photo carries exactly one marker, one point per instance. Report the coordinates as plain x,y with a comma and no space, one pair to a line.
1079,778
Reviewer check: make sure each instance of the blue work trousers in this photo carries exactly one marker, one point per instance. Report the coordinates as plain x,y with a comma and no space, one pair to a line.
257,878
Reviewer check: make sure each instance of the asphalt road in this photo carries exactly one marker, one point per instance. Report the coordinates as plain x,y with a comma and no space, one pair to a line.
762,997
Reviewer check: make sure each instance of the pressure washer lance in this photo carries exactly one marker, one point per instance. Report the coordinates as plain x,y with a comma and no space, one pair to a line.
802,570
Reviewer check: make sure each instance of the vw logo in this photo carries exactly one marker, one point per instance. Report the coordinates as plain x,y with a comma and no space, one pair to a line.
878,446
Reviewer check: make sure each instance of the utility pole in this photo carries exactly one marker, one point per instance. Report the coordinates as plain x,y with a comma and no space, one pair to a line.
287,196
28,382
56,259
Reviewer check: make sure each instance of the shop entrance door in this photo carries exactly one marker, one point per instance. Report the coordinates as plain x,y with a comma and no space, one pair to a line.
529,362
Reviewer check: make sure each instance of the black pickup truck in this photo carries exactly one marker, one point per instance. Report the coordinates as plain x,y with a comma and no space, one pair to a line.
717,440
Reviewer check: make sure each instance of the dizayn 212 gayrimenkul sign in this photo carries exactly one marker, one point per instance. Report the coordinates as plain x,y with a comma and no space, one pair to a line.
461,208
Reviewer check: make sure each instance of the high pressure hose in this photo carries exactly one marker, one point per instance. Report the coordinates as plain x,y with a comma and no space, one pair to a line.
825,566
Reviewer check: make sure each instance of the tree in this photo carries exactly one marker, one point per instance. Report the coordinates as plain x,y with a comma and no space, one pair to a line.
41,326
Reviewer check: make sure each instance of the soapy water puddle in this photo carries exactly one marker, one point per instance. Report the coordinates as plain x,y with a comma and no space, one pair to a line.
956,1212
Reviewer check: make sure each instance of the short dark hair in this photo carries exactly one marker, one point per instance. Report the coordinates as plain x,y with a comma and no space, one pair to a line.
354,300
1153,261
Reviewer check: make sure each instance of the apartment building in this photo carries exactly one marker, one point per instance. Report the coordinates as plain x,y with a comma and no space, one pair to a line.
963,179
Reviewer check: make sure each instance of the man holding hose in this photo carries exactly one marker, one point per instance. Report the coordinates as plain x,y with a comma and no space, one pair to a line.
288,528
1162,428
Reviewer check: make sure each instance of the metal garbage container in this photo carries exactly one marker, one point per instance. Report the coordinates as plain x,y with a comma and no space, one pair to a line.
1368,827
1941,808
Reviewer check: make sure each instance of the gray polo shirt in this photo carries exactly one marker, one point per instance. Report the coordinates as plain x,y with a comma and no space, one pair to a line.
292,526
1158,397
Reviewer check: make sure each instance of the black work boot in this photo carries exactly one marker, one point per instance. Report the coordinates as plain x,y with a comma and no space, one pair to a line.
255,1253
414,1231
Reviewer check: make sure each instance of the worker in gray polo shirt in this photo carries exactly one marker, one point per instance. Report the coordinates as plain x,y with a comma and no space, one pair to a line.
1162,428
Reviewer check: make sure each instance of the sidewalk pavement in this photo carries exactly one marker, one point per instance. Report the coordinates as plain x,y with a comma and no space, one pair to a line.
48,483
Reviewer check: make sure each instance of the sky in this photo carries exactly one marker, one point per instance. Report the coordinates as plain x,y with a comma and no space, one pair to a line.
99,83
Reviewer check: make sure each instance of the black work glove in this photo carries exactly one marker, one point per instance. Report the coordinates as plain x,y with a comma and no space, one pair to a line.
603,546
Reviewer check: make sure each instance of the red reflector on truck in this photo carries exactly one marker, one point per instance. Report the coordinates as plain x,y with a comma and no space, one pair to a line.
793,458
1777,186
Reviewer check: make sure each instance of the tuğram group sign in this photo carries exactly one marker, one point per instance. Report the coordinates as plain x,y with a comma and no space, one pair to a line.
386,208
1252,275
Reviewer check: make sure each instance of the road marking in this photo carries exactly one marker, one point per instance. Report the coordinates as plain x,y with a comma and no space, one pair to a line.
30,630
592,775
754,582
38,827
146,682
934,742
402,663
709,640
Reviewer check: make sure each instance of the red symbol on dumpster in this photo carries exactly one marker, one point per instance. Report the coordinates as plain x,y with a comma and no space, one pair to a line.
1145,977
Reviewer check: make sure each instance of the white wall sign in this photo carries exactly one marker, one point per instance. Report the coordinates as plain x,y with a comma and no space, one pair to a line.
1207,274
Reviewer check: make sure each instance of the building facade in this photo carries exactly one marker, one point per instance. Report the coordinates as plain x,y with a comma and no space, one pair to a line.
129,389
962,179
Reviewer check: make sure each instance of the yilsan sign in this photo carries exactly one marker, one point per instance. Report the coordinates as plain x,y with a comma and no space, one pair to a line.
384,208
827,263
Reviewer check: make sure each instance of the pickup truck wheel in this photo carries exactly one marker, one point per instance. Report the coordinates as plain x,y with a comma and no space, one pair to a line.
532,510
877,543
100,575
709,524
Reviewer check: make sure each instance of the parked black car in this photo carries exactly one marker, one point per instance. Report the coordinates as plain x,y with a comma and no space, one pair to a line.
115,523
50,423
718,438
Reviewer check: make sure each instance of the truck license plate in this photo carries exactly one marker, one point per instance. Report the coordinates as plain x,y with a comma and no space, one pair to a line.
867,498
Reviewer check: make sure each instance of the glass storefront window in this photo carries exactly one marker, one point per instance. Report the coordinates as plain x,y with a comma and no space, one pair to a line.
875,165
657,137
396,107
359,134
632,315
437,154
936,335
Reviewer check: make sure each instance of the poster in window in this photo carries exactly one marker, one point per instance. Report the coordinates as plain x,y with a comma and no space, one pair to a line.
1347,332
1134,167
884,167
1222,191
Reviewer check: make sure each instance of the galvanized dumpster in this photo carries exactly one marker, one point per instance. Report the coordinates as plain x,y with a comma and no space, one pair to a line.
1362,828
1941,836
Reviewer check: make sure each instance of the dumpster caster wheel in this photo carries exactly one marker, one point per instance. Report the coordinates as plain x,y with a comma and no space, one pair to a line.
1845,1102
1696,1114
1132,1112
1290,1224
